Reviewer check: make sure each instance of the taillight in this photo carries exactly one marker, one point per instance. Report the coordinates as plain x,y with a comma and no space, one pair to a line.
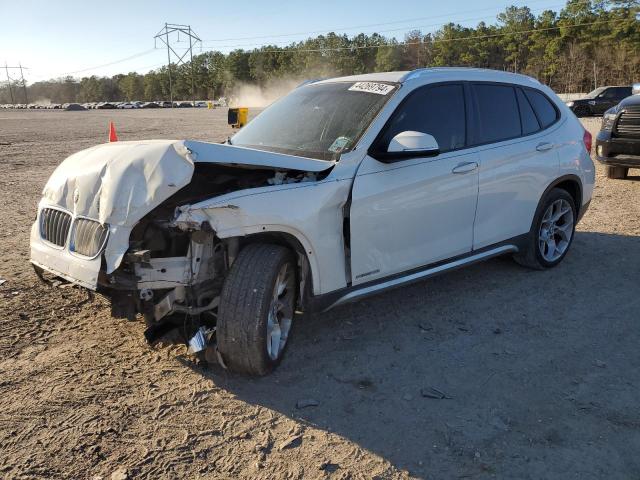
586,139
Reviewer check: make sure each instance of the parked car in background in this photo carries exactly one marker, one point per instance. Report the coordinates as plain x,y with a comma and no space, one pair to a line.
201,104
343,188
105,106
149,105
598,101
164,104
618,142
127,105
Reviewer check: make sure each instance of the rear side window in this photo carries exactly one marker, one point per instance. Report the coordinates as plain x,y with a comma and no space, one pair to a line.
438,111
499,117
527,116
545,111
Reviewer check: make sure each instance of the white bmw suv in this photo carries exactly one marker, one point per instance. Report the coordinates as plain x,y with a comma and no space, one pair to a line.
341,189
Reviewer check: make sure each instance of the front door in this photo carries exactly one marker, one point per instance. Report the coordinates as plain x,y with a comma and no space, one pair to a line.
416,211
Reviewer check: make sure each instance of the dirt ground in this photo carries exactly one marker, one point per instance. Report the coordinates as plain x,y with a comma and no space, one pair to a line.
540,369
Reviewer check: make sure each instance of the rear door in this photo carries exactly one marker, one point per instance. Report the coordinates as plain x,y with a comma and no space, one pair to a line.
518,158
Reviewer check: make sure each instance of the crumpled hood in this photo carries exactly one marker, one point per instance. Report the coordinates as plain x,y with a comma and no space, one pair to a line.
118,183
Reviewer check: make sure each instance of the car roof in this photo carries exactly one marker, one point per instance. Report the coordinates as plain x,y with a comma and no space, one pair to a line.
438,74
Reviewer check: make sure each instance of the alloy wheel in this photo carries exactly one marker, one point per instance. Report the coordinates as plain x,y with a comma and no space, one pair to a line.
281,311
556,230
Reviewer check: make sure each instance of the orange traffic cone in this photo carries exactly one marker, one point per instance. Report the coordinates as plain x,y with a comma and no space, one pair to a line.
112,133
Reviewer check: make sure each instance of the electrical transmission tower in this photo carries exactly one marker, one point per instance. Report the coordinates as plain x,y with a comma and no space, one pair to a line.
22,82
164,36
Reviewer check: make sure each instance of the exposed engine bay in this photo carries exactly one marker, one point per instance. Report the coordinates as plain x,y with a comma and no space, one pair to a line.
173,276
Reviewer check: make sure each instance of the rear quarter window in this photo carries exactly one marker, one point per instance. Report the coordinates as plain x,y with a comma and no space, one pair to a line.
529,121
545,111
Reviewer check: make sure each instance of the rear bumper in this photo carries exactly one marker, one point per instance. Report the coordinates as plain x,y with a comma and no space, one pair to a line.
621,152
60,262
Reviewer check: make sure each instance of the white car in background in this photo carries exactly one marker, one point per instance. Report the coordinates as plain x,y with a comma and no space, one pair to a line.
344,188
128,105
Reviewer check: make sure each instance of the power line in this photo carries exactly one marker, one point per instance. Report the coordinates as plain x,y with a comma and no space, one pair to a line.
293,49
115,62
255,45
413,19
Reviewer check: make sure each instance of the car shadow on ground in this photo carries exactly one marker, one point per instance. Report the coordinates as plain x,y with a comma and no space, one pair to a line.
488,370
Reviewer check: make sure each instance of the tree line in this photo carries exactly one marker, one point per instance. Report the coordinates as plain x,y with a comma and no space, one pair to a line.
587,44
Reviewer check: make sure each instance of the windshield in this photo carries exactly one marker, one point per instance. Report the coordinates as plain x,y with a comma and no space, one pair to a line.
316,121
596,92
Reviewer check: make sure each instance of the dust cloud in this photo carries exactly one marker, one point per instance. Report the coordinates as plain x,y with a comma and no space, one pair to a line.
256,96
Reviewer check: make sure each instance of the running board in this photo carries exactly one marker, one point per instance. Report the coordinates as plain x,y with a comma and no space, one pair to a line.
359,293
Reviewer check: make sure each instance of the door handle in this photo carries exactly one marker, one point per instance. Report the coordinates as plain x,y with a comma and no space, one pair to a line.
465,167
544,146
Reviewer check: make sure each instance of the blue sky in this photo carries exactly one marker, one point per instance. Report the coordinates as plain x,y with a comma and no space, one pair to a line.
79,37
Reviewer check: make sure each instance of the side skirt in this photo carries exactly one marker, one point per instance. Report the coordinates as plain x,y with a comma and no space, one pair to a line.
350,294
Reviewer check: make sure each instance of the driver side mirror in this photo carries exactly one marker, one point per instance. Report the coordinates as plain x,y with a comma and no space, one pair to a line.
408,144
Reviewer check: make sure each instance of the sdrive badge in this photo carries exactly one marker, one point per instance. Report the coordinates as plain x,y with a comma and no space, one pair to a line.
372,87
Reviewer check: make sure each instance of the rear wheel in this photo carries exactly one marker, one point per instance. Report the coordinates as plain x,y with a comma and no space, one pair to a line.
256,309
551,233
617,172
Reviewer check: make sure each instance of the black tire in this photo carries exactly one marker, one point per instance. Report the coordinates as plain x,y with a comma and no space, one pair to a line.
582,111
617,173
246,297
530,256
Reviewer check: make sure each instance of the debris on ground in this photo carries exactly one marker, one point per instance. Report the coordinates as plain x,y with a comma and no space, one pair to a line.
291,442
433,392
307,402
328,466
600,364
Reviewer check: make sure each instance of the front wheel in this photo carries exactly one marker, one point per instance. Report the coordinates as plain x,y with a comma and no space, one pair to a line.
551,233
256,309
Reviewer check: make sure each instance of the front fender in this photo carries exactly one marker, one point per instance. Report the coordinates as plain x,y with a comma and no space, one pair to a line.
312,212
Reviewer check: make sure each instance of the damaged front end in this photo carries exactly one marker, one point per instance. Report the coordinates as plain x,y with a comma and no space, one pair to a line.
108,221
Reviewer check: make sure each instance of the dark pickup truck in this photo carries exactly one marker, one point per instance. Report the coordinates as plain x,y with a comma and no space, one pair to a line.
618,141
598,101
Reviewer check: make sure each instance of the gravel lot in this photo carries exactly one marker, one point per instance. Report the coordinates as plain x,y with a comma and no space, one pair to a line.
540,369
